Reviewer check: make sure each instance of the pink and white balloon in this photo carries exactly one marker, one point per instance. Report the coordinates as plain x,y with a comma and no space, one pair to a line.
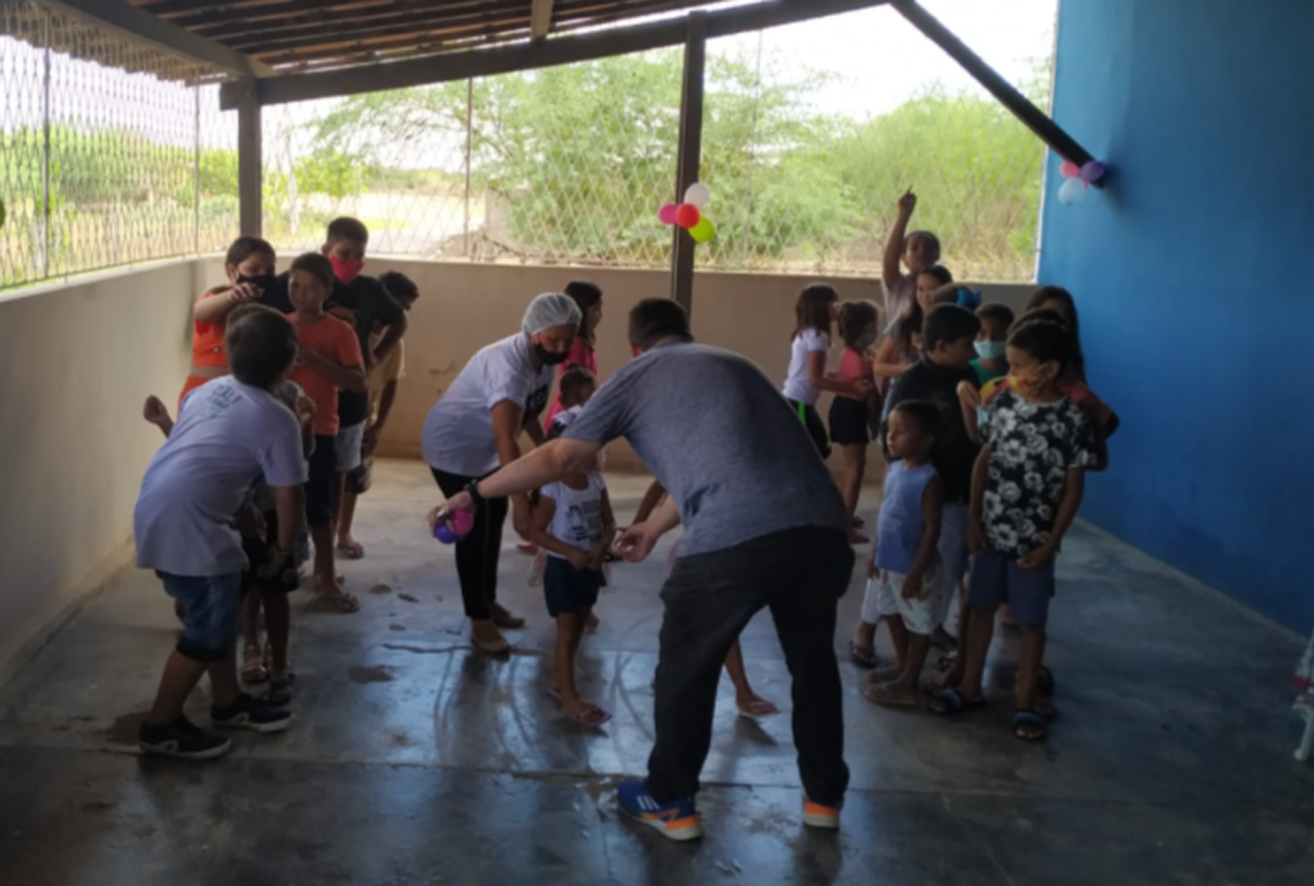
689,214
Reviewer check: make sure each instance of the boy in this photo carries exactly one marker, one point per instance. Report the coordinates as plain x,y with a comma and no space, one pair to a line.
918,250
230,431
1026,487
382,382
950,344
574,523
329,363
991,361
365,305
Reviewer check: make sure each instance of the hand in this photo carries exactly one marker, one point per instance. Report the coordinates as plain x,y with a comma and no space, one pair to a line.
907,203
861,387
579,558
459,502
913,588
305,409
244,292
522,516
370,441
976,538
969,394
635,543
274,559
1038,557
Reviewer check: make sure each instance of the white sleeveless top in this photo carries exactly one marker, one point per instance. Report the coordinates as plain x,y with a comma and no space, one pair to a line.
578,518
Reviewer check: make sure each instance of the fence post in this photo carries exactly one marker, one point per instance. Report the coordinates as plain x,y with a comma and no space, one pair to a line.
196,176
249,161
47,232
469,151
690,153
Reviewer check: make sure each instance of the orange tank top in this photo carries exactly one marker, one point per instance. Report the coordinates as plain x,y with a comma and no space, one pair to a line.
208,342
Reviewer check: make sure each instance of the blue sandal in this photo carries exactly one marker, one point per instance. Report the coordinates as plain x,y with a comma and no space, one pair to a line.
948,702
1029,725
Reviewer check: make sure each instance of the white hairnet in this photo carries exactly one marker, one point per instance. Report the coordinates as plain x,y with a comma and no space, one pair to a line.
551,309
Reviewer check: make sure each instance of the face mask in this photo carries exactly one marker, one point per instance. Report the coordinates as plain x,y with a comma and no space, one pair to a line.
549,358
991,350
346,269
263,282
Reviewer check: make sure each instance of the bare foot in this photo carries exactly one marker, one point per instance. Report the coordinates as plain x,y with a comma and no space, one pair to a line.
333,594
584,713
755,707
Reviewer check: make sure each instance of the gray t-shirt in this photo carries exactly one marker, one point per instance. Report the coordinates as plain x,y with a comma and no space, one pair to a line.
722,440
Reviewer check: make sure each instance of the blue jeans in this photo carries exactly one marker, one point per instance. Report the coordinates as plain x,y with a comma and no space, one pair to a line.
210,621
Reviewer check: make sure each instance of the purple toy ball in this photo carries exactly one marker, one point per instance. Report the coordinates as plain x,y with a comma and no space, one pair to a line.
453,527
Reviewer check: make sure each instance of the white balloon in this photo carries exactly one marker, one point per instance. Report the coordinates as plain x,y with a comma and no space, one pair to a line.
1072,191
697,194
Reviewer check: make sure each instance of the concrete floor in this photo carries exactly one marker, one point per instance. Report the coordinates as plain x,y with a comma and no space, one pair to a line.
415,761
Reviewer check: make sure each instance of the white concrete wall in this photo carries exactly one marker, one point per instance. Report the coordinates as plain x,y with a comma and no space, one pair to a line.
78,361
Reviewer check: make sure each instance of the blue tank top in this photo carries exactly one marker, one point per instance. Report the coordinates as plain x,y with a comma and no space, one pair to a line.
901,524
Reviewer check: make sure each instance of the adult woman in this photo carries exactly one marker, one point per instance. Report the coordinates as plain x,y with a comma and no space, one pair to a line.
474,429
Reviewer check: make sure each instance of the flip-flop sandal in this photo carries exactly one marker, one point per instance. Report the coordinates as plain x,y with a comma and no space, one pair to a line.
491,647
341,601
503,619
1029,725
863,656
253,666
950,702
593,716
759,710
880,694
887,674
353,550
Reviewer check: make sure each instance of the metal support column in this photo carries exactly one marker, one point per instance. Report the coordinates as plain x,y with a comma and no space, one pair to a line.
690,153
249,161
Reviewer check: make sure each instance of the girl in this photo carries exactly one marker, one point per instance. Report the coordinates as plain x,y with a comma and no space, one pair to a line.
917,250
815,312
249,265
901,347
584,352
329,360
850,415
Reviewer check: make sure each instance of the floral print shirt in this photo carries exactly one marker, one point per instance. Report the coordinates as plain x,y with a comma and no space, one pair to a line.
1032,447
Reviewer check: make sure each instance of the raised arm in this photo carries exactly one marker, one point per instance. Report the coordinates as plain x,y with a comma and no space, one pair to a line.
218,302
894,246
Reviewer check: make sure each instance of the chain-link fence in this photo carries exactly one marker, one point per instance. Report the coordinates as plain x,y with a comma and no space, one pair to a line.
110,152
115,153
569,164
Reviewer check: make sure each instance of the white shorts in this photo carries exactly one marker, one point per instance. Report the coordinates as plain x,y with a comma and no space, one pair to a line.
920,614
348,446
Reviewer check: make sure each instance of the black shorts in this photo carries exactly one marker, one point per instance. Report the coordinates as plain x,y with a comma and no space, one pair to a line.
850,422
257,550
812,422
322,482
568,589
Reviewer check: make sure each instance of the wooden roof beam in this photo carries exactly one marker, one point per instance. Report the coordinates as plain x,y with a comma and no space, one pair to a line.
540,19
142,26
527,55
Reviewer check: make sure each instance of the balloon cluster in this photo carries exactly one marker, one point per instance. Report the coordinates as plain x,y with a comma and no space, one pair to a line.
689,214
1078,179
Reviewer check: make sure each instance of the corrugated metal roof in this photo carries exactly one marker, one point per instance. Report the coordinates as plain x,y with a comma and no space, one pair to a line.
311,35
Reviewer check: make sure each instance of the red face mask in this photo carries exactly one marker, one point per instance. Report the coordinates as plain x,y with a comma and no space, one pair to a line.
346,269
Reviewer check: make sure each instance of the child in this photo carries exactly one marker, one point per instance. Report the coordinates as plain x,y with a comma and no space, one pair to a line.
950,344
909,583
850,415
230,431
382,384
814,313
1026,487
918,250
249,265
329,360
903,342
991,344
584,351
573,522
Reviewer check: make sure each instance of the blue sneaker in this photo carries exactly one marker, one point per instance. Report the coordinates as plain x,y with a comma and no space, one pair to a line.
677,820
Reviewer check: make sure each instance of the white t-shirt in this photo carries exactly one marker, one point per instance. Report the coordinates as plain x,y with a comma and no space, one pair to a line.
458,434
578,518
797,387
227,435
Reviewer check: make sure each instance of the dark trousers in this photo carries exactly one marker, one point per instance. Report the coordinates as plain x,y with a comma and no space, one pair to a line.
799,574
477,554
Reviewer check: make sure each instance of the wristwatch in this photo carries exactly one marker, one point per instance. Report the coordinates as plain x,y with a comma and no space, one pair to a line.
472,490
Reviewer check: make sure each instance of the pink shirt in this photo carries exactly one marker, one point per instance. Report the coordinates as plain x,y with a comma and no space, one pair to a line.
581,352
853,366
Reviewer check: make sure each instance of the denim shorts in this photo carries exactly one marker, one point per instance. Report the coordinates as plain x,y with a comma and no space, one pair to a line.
996,578
568,589
210,620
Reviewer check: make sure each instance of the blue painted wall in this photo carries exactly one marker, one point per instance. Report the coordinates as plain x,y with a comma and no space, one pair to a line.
1194,275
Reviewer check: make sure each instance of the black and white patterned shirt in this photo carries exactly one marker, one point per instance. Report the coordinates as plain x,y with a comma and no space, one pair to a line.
1032,446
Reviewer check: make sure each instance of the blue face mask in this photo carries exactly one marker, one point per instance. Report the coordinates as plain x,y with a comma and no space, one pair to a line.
991,350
